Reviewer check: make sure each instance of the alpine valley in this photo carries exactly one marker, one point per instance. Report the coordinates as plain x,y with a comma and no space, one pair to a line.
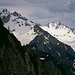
28,48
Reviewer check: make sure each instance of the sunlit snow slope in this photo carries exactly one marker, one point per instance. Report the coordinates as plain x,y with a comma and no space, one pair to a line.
61,32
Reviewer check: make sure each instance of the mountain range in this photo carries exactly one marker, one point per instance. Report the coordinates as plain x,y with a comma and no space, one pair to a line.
53,42
21,27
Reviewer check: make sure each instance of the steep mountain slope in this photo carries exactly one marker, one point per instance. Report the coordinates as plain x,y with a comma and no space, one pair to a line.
18,25
61,32
18,60
51,47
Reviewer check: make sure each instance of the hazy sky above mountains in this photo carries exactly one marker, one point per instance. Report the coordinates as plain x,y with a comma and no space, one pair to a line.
44,11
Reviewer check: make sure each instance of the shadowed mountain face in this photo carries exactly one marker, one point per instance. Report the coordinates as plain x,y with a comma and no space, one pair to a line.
52,49
18,60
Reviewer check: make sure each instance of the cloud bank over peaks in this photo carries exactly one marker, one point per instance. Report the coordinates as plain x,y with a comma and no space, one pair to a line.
44,11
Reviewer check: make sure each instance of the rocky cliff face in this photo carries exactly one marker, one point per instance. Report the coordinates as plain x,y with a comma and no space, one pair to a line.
50,48
5,15
18,60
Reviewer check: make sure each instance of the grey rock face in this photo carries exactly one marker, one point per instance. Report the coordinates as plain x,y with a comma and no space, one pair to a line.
52,49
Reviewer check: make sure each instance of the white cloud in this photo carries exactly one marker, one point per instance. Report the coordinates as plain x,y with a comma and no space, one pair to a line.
44,11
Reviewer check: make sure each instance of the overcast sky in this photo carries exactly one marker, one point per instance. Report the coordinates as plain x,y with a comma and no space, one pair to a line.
43,11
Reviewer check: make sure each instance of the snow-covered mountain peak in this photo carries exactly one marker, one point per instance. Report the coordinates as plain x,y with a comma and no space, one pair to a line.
61,32
54,24
57,25
18,15
15,14
19,25
4,14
